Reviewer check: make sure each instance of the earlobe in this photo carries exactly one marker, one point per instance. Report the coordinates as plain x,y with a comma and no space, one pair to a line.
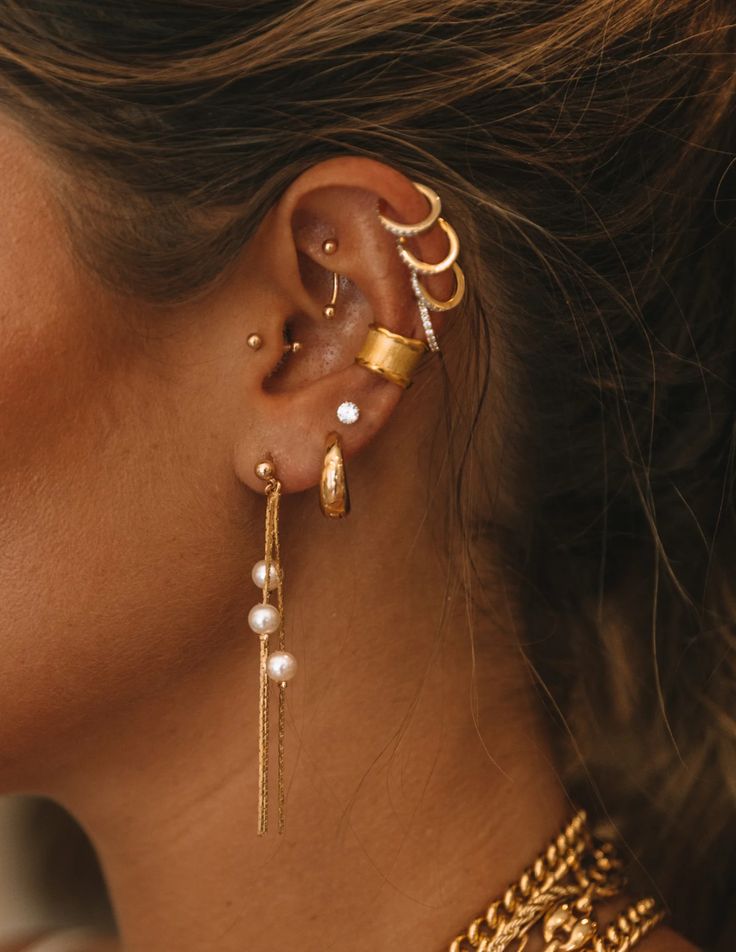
361,310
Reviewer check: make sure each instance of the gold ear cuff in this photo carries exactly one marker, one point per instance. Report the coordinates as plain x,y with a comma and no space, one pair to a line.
391,355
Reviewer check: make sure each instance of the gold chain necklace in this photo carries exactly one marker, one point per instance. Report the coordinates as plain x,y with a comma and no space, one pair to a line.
559,890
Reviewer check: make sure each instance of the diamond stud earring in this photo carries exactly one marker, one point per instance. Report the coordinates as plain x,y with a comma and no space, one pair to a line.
348,413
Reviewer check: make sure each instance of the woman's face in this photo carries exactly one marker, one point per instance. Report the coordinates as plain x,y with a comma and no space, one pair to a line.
116,523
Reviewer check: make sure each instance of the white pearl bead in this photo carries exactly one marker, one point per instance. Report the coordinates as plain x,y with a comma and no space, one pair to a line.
264,619
281,666
259,575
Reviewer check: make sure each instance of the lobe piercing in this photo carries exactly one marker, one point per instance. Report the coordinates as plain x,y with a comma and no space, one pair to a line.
329,246
255,341
348,413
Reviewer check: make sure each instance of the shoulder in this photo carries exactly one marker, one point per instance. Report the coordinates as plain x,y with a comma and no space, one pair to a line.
661,940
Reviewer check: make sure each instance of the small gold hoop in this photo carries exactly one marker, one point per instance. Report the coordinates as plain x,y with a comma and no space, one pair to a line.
409,231
391,355
334,498
434,304
425,267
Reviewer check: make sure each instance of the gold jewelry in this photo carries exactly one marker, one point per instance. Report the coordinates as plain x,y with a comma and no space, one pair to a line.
402,230
329,246
425,301
630,927
254,341
293,348
266,619
334,497
391,355
329,309
560,888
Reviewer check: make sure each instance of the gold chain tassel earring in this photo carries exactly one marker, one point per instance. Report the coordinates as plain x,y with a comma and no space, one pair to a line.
265,620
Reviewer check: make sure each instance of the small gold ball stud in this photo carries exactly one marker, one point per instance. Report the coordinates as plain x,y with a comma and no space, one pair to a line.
293,348
255,341
265,470
329,246
329,311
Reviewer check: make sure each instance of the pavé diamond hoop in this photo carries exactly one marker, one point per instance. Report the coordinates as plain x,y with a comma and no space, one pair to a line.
425,301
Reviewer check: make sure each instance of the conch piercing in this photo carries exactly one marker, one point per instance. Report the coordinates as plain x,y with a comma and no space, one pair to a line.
329,246
425,301
266,619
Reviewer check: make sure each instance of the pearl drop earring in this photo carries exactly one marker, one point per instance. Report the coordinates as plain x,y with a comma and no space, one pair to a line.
266,619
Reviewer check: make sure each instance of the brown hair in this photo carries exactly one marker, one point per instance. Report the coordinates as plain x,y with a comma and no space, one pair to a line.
585,151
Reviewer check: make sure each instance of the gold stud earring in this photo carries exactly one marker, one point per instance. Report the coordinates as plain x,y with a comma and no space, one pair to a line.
293,347
265,620
255,341
329,246
334,498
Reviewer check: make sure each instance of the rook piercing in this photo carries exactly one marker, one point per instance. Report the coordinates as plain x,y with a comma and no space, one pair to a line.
348,413
329,309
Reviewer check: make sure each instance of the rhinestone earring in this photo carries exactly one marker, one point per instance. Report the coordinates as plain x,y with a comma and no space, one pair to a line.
266,619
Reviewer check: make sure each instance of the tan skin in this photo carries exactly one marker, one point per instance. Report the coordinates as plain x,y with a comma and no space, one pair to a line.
131,517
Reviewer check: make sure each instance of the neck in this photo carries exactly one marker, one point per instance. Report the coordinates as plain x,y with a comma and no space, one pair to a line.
419,780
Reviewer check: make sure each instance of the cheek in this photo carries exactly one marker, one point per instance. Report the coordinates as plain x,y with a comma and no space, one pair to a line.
113,568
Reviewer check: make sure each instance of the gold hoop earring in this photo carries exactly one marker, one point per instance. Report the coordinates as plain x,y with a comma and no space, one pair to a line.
334,497
425,301
280,666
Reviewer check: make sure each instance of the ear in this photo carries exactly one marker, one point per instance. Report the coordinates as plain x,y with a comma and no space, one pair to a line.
293,400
